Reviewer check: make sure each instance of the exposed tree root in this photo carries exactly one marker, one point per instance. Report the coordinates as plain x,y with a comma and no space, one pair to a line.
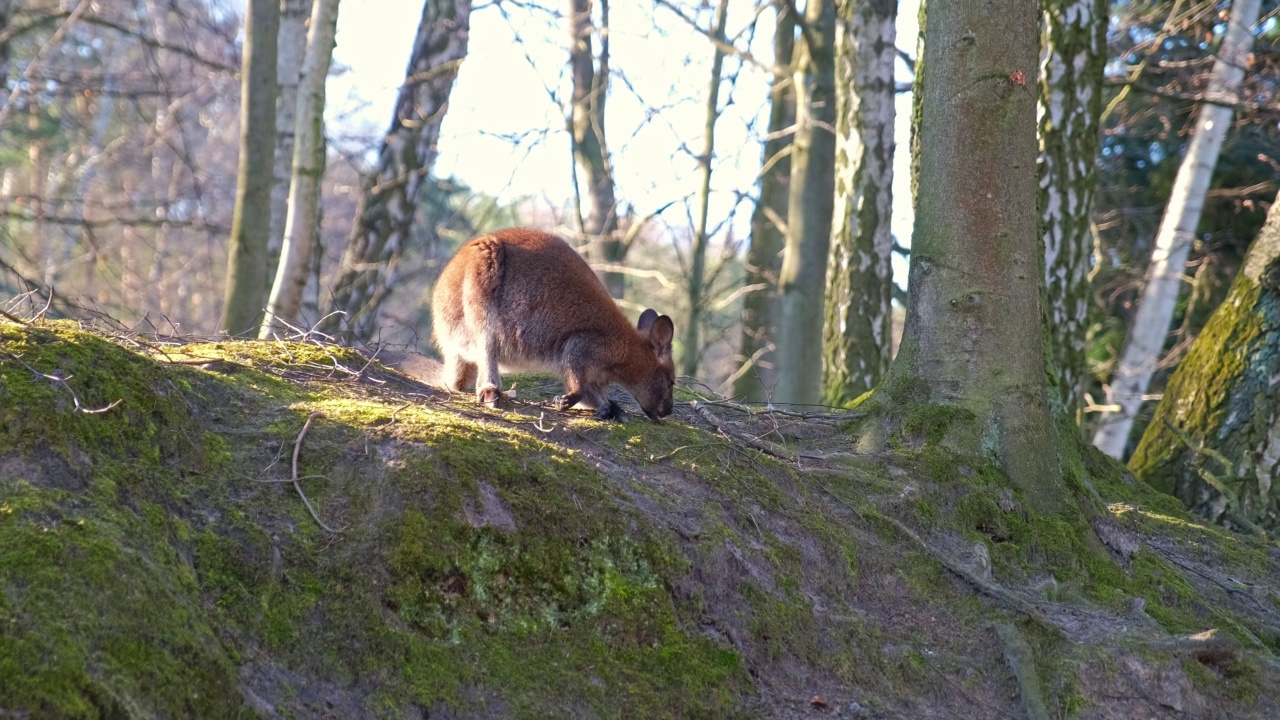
1020,658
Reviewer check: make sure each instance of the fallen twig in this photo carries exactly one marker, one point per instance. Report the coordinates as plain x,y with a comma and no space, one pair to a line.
14,318
763,446
297,448
63,382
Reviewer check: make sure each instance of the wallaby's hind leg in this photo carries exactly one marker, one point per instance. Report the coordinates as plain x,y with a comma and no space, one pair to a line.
488,381
458,374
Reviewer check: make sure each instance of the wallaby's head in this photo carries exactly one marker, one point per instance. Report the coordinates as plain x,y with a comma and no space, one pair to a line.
654,390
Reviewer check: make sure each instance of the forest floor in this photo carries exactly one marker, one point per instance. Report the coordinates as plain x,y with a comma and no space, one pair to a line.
289,529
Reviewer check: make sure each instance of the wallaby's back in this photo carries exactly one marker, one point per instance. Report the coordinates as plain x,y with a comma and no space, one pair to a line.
524,299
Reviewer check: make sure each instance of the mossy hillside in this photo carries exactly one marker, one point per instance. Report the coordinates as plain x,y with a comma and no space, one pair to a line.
491,564
99,604
411,604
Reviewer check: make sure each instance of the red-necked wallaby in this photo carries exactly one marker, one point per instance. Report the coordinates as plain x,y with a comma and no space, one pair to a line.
522,299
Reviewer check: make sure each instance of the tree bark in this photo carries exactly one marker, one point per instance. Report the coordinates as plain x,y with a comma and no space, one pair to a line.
974,301
804,263
392,191
92,159
857,334
251,220
1177,231
1219,421
590,149
292,47
698,263
755,378
1070,111
308,170
6,15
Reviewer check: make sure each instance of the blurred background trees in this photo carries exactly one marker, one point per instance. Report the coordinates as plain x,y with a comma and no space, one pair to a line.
733,132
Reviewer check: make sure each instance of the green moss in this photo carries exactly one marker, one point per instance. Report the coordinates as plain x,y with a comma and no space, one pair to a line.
100,617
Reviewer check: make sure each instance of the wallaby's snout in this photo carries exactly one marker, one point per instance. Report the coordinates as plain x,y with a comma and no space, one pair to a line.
655,391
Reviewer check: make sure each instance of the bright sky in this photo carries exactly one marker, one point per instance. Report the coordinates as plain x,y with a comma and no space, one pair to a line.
517,60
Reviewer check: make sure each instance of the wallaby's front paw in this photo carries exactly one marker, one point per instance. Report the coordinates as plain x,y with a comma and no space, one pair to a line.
610,411
489,396
566,401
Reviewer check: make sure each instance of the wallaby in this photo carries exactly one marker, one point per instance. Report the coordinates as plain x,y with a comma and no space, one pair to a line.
522,299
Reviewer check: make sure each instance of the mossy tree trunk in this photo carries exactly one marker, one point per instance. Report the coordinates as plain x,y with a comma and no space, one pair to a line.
590,150
801,285
302,223
755,377
392,191
1219,422
1070,111
698,263
857,333
975,280
1159,299
246,284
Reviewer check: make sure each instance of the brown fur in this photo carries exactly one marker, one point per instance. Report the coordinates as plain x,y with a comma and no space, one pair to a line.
522,299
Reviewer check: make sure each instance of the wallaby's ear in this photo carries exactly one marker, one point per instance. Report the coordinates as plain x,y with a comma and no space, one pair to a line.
660,335
646,319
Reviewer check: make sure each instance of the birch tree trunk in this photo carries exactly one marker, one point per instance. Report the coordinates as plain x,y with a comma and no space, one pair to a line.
755,378
392,191
292,46
1177,231
251,220
1215,439
590,149
301,225
1070,113
857,334
698,263
974,296
804,263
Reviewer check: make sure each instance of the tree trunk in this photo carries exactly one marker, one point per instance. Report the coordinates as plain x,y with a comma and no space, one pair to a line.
1177,231
698,263
6,15
590,150
308,170
755,378
857,335
292,47
1219,421
971,341
392,191
804,263
1070,113
92,159
251,220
